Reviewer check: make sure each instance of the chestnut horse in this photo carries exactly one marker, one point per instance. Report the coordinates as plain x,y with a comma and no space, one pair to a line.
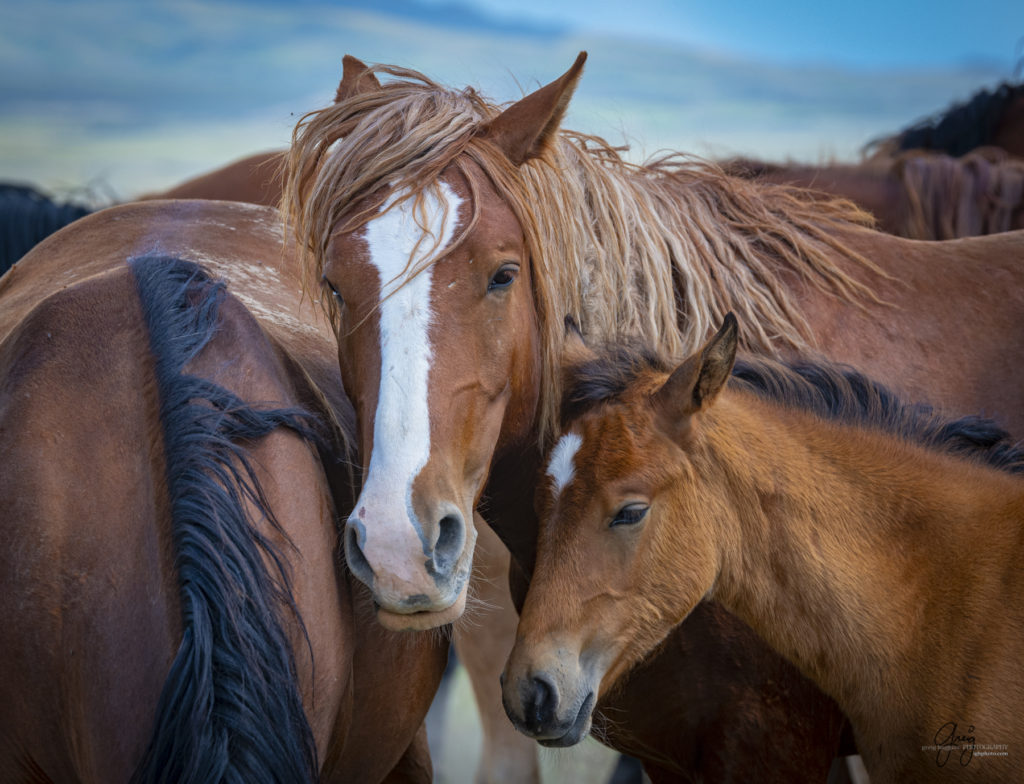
481,645
921,196
175,464
874,544
452,236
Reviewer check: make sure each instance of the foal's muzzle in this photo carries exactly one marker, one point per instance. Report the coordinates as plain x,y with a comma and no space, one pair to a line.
538,709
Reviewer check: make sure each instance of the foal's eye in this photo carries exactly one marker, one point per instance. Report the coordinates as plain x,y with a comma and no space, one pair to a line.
630,514
337,296
503,278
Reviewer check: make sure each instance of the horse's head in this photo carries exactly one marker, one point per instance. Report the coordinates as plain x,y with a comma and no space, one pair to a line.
429,267
627,545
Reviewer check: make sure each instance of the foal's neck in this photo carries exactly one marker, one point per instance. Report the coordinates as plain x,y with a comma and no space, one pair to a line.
848,547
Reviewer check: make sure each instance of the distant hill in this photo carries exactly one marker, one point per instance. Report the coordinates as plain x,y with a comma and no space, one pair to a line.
139,96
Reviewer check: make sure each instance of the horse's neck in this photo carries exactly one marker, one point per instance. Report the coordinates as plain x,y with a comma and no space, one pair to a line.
508,500
847,552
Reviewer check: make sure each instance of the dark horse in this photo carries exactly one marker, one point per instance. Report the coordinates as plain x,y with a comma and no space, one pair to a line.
175,451
28,216
990,118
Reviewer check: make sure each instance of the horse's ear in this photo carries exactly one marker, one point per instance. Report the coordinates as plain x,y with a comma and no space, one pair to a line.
575,351
695,383
355,79
528,126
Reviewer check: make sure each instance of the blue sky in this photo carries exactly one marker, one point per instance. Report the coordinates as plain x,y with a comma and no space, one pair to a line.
129,97
863,33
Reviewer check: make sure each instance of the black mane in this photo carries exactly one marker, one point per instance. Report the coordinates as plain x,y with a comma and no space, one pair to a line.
833,392
230,709
27,217
959,129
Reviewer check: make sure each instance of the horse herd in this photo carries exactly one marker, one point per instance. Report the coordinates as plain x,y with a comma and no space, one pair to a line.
746,462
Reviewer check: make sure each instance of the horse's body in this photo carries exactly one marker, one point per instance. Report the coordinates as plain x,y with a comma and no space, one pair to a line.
875,545
920,196
515,245
93,502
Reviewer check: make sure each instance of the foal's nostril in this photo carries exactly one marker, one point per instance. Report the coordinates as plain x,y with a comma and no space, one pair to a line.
539,706
448,546
357,562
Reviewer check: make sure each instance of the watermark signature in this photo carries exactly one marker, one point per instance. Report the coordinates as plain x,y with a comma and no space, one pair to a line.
951,740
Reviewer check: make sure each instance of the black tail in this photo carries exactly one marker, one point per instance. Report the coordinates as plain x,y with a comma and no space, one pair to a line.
27,217
230,710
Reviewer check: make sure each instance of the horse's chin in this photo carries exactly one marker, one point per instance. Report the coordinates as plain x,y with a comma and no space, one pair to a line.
421,621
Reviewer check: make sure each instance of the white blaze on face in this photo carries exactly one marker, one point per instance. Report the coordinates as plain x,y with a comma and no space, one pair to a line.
398,241
561,467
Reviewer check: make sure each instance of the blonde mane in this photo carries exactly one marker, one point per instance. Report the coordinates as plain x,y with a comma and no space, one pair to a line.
660,251
959,197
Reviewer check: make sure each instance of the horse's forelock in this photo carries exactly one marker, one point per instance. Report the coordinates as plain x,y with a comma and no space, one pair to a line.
397,138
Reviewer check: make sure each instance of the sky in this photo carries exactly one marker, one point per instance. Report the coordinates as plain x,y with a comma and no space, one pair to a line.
864,33
124,97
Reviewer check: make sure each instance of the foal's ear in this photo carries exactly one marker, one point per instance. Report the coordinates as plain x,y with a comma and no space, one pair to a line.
695,383
355,79
528,126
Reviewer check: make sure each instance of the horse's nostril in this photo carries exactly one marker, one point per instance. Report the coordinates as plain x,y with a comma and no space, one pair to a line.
357,562
448,546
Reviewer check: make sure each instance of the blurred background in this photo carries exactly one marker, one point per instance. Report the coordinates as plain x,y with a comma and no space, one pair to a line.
104,100
120,97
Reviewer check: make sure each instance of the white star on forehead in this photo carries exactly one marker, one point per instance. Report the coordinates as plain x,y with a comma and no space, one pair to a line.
560,467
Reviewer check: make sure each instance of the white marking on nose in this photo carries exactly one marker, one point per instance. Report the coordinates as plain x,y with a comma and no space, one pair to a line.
397,245
561,467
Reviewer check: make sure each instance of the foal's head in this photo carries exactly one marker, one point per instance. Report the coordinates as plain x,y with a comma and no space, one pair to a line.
402,193
615,568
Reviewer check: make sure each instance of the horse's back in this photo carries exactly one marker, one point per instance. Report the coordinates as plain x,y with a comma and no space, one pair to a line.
86,498
255,179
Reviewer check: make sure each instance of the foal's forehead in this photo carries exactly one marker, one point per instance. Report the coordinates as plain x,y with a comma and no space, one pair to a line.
561,464
601,443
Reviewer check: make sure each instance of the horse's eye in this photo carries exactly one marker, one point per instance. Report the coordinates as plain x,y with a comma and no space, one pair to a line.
504,277
334,291
630,514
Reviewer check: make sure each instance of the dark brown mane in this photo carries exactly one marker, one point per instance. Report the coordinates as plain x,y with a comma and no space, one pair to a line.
833,392
957,130
605,377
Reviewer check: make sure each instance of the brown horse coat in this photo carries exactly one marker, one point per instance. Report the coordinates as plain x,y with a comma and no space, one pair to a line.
90,592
